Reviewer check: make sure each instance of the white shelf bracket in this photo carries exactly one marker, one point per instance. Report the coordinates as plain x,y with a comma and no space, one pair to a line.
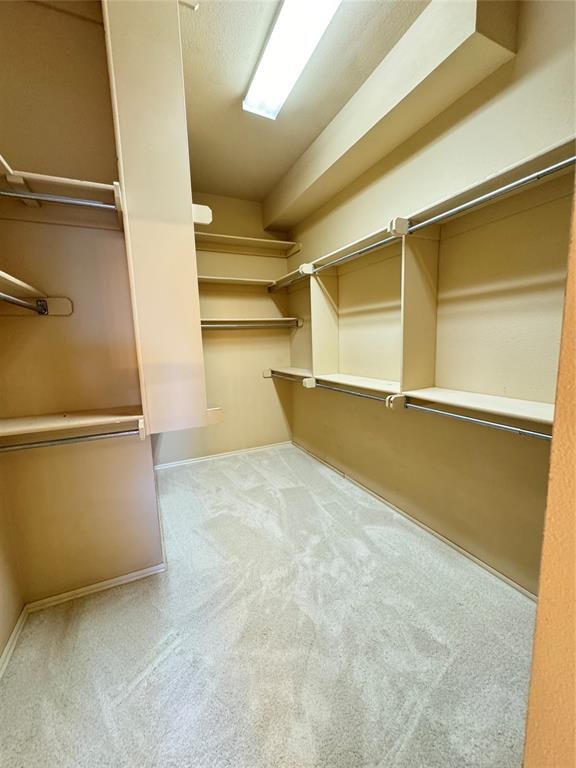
309,383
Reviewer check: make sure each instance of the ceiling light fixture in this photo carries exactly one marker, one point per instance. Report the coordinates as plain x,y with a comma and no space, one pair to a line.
296,33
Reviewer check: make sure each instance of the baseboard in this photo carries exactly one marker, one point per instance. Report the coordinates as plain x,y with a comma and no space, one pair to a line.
184,462
64,597
451,544
6,654
100,586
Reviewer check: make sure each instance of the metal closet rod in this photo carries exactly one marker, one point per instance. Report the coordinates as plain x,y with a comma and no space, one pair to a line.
482,422
285,377
45,198
68,440
436,411
40,306
416,226
351,392
240,326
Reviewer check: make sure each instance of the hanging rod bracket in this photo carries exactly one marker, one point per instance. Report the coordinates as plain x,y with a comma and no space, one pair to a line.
309,382
399,226
42,305
396,402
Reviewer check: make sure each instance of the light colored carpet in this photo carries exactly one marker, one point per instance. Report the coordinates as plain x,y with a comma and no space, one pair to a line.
301,624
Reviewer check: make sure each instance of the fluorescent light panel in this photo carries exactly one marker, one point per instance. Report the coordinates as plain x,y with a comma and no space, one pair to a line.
297,32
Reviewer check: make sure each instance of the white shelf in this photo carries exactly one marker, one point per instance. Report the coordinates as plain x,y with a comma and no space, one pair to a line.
61,422
254,246
18,288
300,373
530,410
257,281
360,382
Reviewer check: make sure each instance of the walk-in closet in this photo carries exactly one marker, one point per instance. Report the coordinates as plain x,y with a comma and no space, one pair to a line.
287,311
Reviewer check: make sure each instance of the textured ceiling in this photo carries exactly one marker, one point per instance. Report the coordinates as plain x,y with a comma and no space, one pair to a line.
242,155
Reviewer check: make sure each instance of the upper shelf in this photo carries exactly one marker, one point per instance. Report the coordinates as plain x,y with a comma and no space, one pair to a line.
33,190
63,422
508,182
251,246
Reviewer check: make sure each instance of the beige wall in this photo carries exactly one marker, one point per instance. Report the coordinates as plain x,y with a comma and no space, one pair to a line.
482,489
70,515
472,140
54,91
84,361
232,216
11,594
252,412
551,728
66,536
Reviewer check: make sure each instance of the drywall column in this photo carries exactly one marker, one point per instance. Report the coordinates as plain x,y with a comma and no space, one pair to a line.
145,62
550,737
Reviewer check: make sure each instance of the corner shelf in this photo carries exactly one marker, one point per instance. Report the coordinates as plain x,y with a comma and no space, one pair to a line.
530,410
213,279
252,246
63,422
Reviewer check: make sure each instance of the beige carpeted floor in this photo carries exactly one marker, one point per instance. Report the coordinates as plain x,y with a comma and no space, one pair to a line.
301,624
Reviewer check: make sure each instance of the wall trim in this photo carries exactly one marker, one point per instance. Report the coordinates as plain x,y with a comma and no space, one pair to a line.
100,586
6,654
451,544
64,597
184,462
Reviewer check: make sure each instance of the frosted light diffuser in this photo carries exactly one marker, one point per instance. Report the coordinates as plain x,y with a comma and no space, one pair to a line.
297,32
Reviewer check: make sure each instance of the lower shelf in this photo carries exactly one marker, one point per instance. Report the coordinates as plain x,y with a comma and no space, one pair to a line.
298,373
530,410
361,382
63,422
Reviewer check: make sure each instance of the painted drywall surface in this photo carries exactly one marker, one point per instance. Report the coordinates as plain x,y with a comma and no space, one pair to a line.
81,362
54,89
440,57
253,412
502,273
518,112
484,490
65,537
551,731
232,216
154,169
78,514
11,597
